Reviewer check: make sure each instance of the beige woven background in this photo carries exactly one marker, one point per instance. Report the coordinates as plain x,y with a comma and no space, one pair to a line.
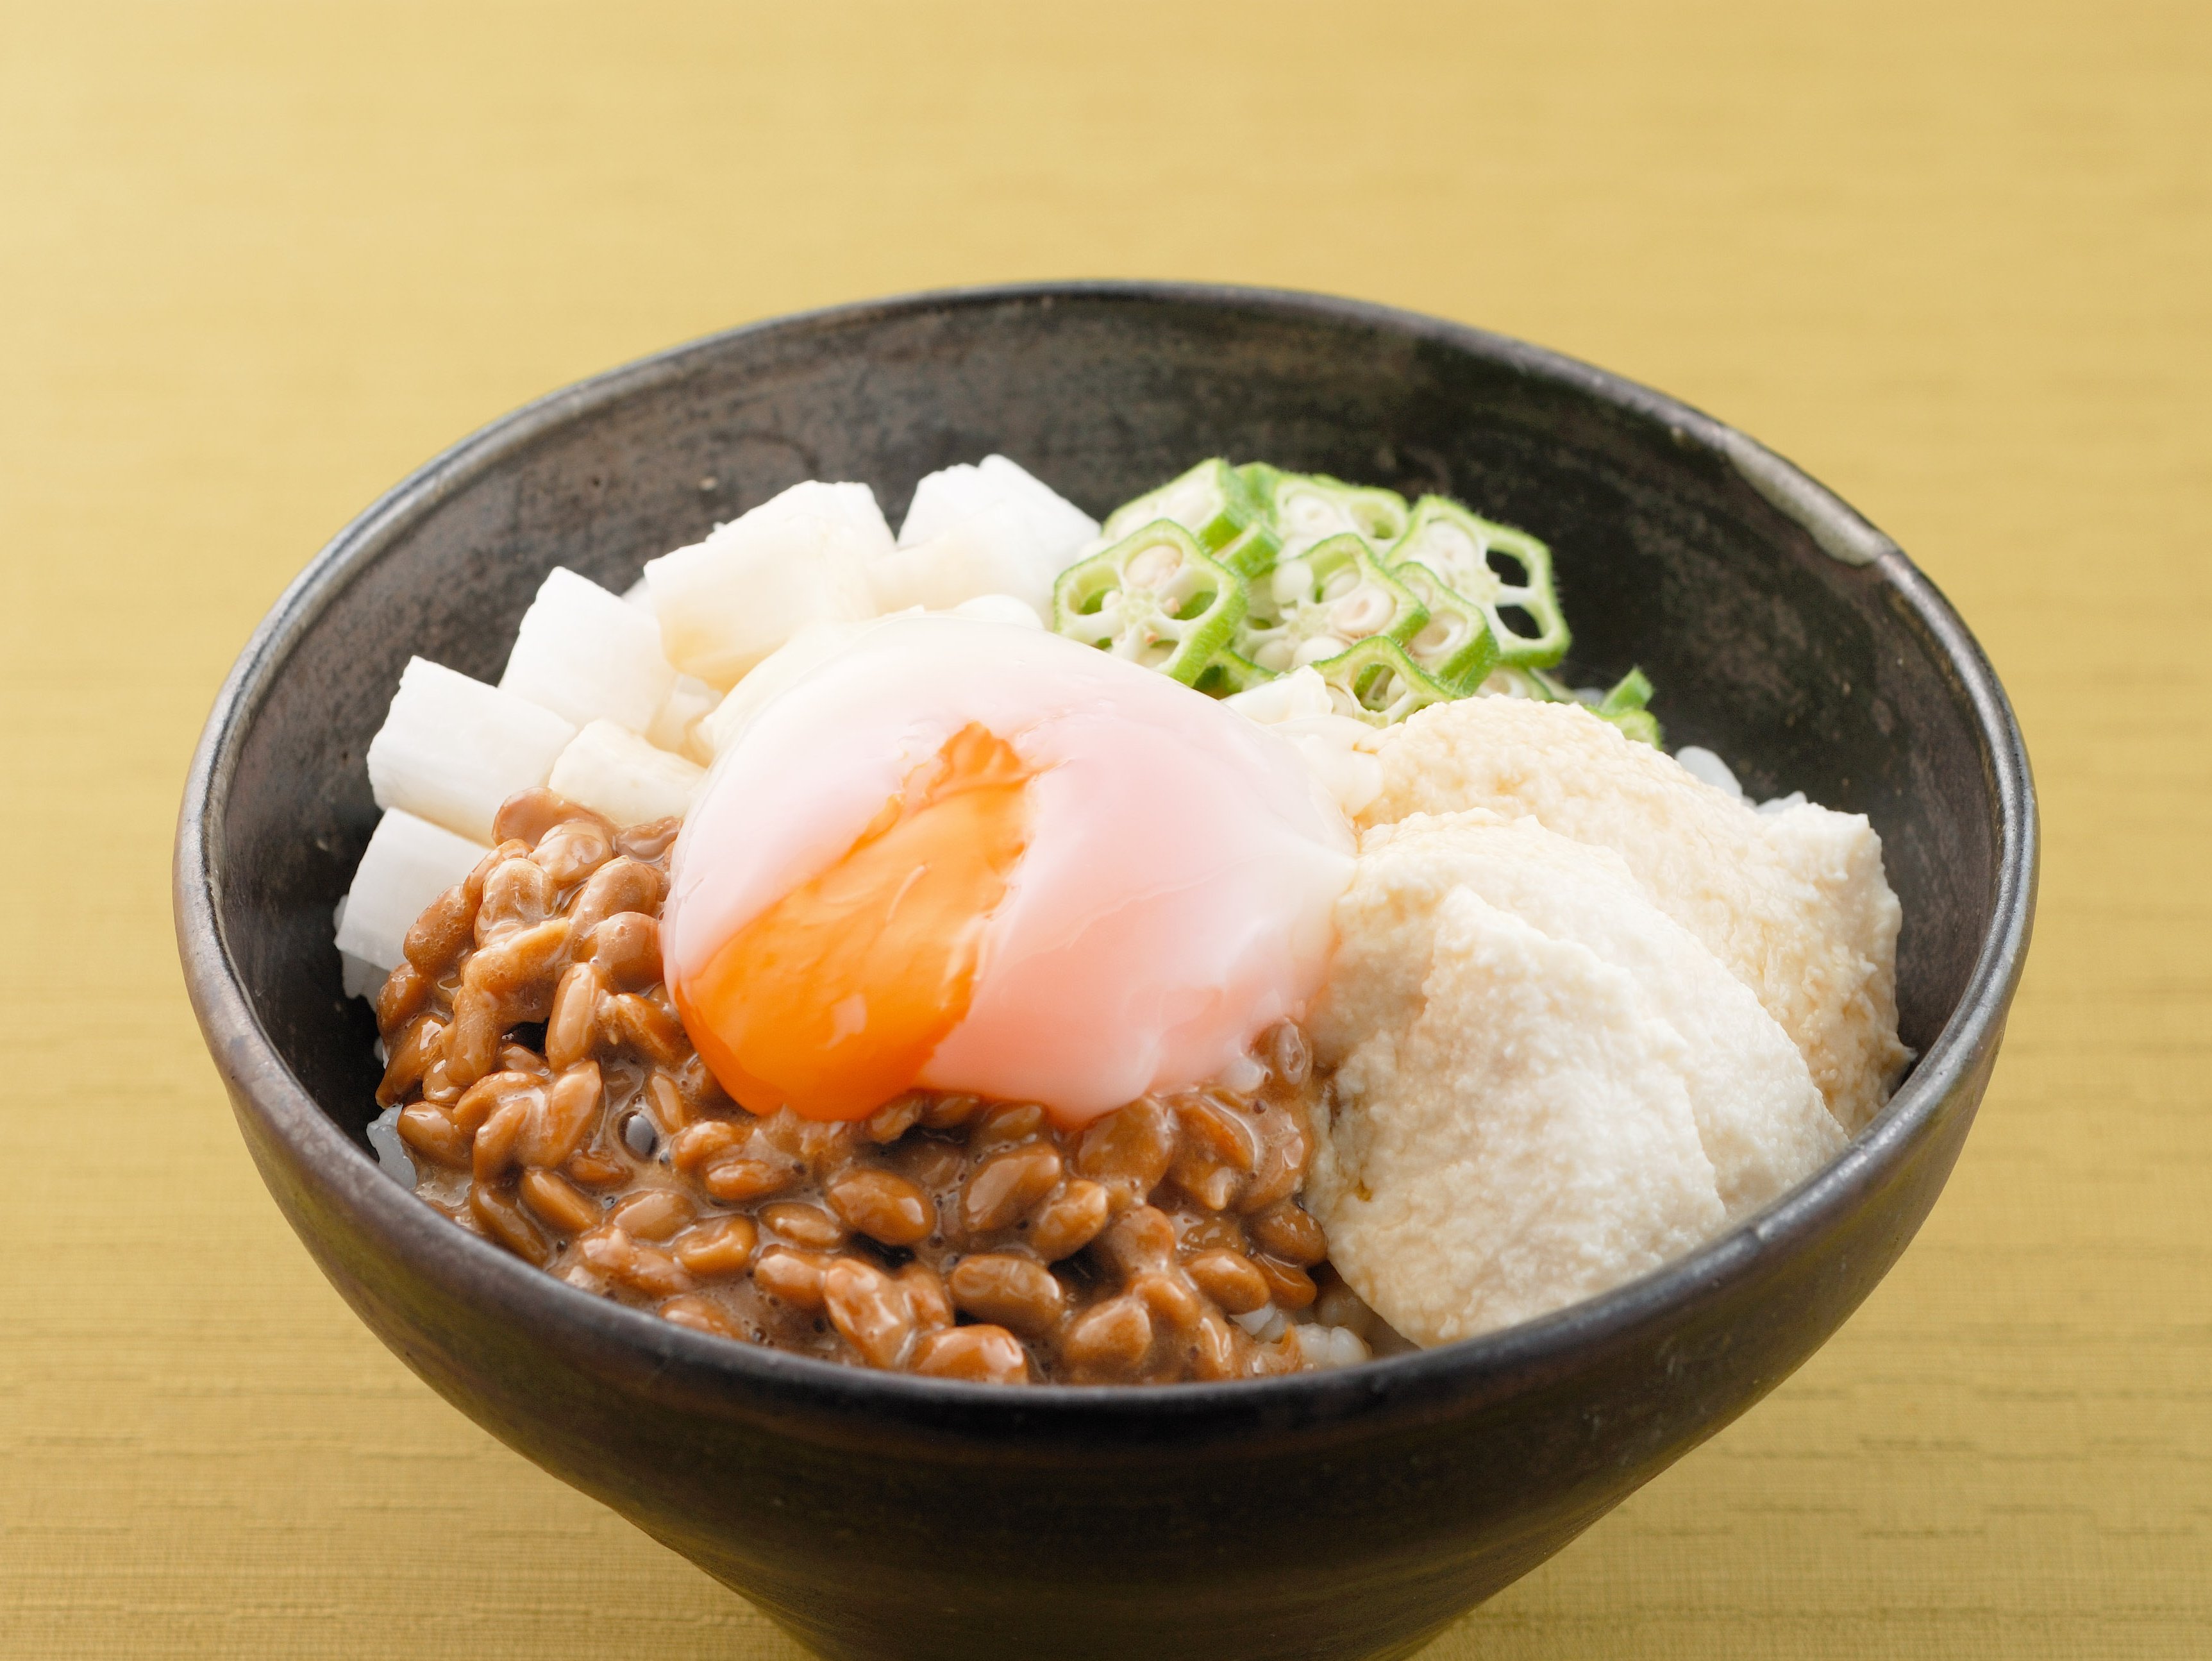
258,260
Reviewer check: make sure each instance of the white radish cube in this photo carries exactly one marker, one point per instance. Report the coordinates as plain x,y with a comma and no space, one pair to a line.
357,976
453,748
676,724
778,673
1058,529
587,656
853,506
409,863
611,770
726,603
990,552
943,499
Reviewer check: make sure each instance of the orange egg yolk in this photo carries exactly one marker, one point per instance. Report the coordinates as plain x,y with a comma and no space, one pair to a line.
832,999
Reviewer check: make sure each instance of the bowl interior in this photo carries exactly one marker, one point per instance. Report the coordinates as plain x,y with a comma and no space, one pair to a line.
1803,671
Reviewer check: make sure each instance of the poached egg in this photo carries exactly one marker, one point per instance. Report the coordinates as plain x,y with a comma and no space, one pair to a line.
965,855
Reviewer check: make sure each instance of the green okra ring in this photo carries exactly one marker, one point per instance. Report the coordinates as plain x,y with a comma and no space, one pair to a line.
1319,604
1305,509
1462,549
1153,598
1455,646
1227,674
1212,502
1377,683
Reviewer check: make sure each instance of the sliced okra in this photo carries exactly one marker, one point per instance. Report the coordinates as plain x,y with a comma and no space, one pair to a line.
1465,550
1255,549
1211,502
1455,645
1507,683
1375,682
1315,606
1229,674
1624,705
1153,598
1308,508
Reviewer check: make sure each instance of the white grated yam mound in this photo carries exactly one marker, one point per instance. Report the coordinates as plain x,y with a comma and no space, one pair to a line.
1510,1132
1791,899
1760,1119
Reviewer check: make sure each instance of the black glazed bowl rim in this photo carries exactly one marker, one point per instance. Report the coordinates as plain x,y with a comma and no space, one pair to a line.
1544,1351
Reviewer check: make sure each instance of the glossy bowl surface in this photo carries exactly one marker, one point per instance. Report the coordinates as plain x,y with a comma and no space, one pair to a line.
1353,1513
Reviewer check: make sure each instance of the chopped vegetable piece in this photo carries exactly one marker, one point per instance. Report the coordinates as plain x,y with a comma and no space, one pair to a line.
1256,549
1642,725
988,552
1461,548
408,863
1211,502
611,770
452,749
586,656
1375,682
674,726
1632,691
1317,606
728,602
1455,645
1308,508
1624,705
1537,684
1153,598
1260,478
1055,529
1229,674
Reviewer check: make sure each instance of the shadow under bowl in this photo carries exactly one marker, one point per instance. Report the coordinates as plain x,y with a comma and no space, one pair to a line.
1339,1514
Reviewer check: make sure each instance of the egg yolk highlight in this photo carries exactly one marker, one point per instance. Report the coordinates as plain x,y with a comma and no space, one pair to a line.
832,999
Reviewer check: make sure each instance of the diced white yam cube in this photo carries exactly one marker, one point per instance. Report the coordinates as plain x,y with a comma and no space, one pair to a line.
853,506
611,770
990,552
1058,528
726,603
453,748
357,976
409,863
1061,525
587,656
675,725
1001,608
778,673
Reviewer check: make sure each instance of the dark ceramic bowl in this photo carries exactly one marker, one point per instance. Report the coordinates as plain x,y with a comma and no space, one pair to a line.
1351,1514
